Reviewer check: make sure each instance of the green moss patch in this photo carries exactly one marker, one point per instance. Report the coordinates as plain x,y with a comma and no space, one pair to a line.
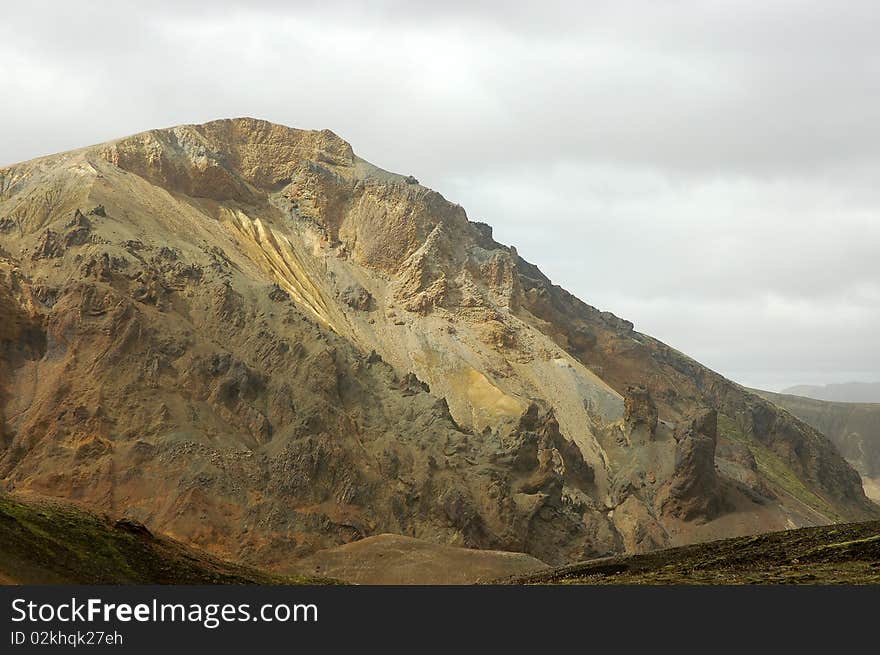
771,466
47,542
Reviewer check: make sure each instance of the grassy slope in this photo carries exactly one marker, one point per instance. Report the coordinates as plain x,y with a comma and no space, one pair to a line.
52,543
853,427
773,468
834,554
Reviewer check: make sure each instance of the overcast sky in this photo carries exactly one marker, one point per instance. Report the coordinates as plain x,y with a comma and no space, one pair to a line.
710,171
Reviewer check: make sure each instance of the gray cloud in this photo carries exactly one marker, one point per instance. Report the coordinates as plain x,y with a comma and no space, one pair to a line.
705,169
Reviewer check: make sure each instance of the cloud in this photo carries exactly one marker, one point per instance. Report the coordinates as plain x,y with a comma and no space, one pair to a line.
707,169
749,276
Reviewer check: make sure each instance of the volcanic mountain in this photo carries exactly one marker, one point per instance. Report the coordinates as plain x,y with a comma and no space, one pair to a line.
246,337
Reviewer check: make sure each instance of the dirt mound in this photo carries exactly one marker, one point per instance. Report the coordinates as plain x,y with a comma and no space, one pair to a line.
391,559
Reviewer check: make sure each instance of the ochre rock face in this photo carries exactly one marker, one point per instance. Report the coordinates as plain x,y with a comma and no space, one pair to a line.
244,336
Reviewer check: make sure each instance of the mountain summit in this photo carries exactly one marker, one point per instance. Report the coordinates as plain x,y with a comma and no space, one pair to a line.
246,337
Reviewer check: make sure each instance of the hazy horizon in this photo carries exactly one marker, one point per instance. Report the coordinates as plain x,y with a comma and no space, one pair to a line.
705,171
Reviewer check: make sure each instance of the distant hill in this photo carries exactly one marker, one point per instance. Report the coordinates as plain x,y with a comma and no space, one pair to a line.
849,392
853,427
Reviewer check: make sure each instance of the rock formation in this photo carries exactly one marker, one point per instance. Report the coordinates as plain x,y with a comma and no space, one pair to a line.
693,492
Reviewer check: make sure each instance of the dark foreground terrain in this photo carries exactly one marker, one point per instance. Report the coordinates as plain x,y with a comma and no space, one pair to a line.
834,554
50,543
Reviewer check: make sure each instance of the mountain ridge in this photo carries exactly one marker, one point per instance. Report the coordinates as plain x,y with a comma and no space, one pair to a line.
853,427
849,392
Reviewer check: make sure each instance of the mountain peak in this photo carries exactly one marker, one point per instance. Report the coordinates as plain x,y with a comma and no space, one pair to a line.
220,158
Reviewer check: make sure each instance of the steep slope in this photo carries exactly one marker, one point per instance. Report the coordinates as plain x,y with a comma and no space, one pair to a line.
50,543
245,336
853,427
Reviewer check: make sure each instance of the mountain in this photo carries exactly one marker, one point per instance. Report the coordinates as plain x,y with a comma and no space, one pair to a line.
850,392
44,542
853,427
246,337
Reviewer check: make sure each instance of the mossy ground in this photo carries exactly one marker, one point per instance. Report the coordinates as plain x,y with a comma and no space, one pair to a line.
833,554
45,542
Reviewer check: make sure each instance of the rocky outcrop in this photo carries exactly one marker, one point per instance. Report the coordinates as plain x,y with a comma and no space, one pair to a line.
693,492
356,297
550,459
640,414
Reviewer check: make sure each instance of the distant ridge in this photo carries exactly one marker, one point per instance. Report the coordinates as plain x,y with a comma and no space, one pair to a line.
853,427
847,392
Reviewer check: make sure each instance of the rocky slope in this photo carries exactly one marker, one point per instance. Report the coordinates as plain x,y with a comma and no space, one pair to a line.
853,427
245,336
